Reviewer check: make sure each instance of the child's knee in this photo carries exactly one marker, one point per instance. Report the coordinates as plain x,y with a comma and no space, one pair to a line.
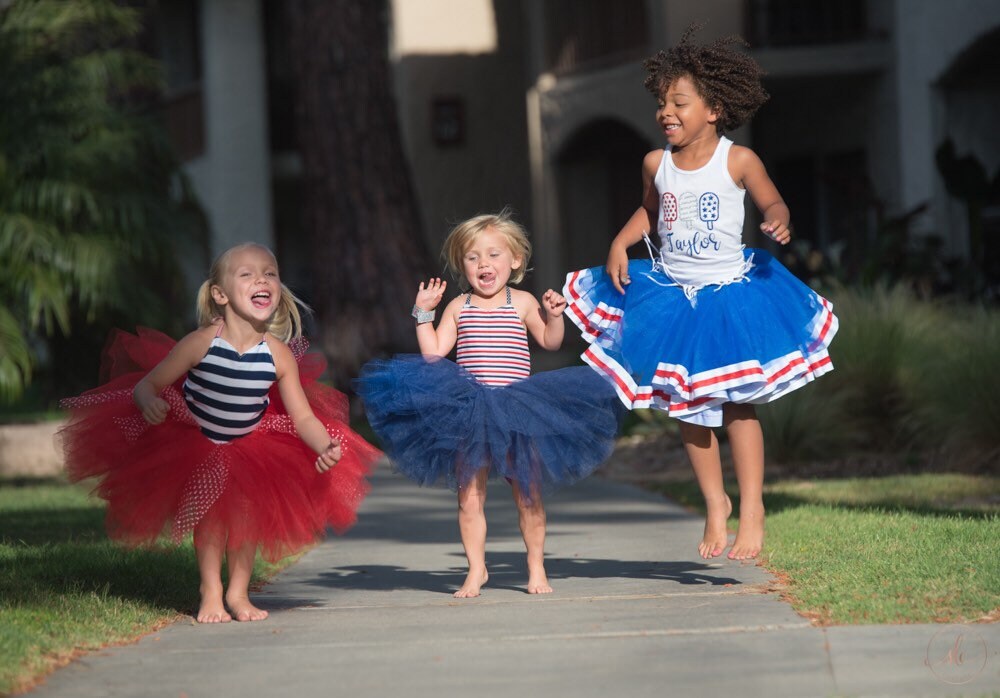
471,501
531,507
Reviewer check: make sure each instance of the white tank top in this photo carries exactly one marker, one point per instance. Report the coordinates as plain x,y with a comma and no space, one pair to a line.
701,222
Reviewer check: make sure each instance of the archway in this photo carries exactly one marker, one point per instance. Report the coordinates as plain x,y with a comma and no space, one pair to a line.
599,185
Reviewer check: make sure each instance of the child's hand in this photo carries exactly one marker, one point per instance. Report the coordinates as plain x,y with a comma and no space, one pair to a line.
428,297
554,303
777,231
329,457
617,268
154,409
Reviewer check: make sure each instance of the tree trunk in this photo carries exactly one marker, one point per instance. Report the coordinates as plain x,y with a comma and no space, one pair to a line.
367,249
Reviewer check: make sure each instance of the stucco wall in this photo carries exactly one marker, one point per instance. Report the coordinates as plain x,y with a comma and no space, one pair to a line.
929,36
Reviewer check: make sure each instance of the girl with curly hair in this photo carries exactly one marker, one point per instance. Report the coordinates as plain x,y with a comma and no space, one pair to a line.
706,328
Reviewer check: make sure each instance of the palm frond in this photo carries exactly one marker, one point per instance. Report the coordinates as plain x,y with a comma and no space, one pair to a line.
15,357
90,210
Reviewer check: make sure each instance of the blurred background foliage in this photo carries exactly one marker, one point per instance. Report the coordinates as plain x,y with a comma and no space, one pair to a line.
94,210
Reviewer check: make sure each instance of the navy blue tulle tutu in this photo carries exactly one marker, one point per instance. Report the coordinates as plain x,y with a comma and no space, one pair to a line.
440,426
748,341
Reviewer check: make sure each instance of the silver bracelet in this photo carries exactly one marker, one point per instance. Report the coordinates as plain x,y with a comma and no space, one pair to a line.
422,316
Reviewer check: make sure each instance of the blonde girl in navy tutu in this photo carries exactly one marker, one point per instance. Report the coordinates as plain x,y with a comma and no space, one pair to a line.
459,424
225,434
705,329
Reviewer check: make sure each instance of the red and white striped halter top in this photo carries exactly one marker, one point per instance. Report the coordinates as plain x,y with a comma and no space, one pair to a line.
493,344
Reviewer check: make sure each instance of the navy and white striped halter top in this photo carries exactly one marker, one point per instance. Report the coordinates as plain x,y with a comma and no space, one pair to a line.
226,392
493,344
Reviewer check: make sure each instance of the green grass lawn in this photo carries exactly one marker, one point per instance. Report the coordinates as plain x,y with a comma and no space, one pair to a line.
65,587
900,549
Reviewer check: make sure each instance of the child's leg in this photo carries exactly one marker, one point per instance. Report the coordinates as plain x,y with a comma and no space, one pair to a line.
747,442
472,525
240,562
208,550
703,449
531,517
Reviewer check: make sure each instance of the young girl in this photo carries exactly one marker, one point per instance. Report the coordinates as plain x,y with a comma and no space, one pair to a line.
203,443
484,417
707,328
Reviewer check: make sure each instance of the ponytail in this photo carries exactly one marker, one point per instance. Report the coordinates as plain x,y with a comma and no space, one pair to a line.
286,323
206,308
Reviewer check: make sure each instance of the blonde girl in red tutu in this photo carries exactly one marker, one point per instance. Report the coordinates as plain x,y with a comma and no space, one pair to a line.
194,437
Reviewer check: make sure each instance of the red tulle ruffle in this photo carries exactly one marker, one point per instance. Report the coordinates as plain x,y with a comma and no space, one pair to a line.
168,479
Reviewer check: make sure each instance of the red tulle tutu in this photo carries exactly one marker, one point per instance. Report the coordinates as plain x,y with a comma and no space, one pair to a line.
169,478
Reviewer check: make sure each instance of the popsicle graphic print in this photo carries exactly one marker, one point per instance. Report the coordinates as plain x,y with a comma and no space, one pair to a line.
688,209
708,208
669,209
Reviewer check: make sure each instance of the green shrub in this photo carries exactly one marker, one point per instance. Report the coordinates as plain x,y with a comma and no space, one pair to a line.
884,333
811,423
955,390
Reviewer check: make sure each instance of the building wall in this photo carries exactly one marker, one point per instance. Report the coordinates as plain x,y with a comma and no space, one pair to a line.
559,111
871,100
471,53
929,36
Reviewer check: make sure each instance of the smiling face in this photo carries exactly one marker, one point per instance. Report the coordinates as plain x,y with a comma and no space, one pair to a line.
488,263
683,114
249,285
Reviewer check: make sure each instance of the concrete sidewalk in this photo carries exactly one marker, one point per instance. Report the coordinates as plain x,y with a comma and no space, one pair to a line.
635,613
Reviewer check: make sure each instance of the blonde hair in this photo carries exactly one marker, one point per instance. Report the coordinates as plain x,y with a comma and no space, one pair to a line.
465,233
285,323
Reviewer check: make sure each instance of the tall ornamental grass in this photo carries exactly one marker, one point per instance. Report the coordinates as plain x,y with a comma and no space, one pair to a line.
913,378
954,390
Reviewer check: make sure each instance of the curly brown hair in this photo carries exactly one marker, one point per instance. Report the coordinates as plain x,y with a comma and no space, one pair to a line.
727,79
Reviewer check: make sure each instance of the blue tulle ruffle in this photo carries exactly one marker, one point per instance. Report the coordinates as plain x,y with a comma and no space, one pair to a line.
440,426
751,340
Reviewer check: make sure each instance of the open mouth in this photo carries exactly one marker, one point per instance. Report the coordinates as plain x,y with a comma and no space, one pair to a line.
487,278
261,299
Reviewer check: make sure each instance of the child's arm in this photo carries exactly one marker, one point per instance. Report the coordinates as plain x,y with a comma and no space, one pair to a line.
310,429
185,355
641,222
547,328
748,171
440,341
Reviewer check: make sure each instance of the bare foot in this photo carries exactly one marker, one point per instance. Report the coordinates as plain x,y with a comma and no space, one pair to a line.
243,610
750,535
538,581
716,536
473,582
212,610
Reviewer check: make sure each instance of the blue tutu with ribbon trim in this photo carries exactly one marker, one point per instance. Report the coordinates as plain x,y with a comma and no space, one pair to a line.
440,426
749,340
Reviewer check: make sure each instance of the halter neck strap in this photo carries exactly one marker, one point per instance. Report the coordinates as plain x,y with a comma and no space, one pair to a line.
468,298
